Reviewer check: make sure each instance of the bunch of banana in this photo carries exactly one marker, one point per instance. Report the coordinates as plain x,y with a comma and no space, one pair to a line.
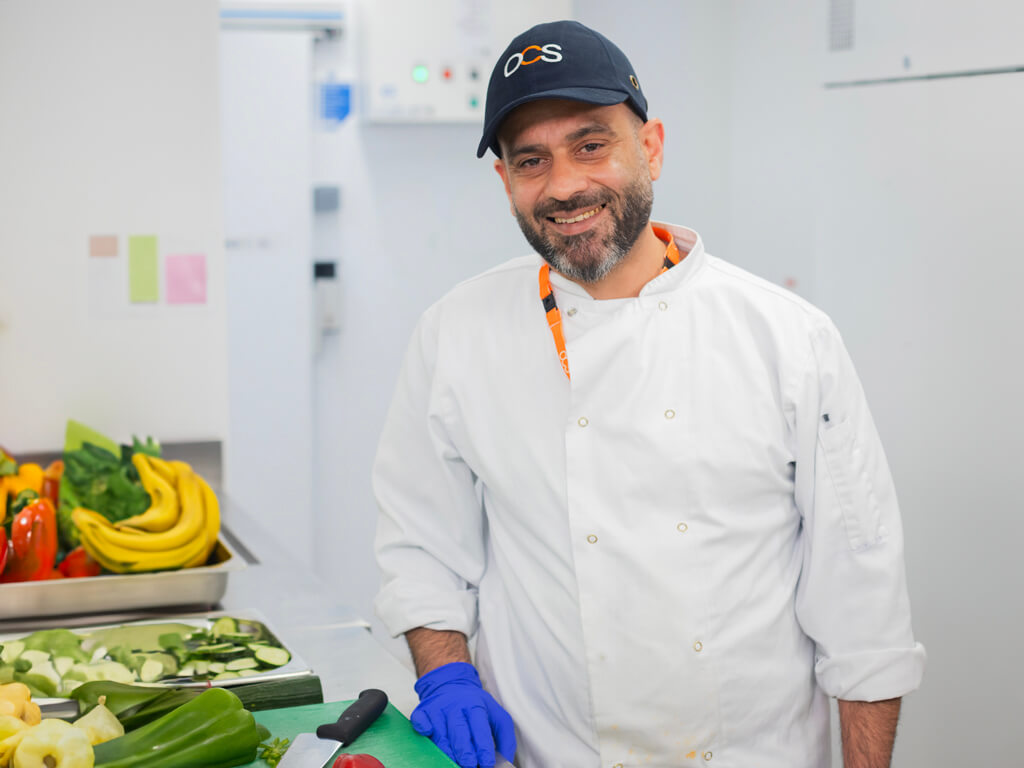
179,530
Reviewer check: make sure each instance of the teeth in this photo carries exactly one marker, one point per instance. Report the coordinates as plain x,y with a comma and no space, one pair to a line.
581,217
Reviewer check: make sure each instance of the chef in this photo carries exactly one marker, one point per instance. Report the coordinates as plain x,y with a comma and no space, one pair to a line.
633,507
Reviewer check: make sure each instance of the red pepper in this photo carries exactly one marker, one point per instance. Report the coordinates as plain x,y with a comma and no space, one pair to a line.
357,761
3,549
34,543
78,563
51,481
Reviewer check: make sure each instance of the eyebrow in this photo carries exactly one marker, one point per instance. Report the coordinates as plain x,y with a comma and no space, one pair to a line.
579,133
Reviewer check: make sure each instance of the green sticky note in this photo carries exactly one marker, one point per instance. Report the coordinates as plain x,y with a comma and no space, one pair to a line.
143,272
77,433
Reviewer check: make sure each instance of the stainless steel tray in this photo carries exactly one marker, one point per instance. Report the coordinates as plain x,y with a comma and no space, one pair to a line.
294,668
202,586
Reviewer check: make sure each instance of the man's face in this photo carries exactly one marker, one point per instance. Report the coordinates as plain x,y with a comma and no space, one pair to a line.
578,178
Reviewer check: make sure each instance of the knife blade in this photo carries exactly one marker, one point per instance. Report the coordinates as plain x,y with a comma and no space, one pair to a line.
61,709
315,750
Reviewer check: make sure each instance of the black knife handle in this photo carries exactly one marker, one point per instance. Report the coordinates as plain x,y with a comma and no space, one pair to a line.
356,718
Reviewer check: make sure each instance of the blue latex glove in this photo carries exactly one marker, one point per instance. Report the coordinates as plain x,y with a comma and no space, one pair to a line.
461,718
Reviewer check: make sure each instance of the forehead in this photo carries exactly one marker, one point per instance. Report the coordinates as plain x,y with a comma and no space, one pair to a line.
551,119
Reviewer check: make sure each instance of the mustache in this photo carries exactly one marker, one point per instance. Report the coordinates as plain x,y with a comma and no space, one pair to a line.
580,200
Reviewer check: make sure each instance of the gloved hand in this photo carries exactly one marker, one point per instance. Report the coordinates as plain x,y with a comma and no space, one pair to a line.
461,718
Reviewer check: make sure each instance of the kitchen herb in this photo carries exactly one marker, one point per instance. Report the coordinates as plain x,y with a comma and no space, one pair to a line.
272,751
96,479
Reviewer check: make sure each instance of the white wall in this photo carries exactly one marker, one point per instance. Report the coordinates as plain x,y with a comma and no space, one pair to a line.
903,201
920,263
267,137
108,126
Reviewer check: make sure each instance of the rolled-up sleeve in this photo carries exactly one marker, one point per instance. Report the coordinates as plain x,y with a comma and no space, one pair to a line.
429,542
852,596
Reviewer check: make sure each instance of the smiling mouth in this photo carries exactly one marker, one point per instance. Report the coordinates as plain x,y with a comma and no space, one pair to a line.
580,217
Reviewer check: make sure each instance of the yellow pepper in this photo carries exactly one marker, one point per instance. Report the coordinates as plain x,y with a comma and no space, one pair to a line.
53,744
29,477
16,701
11,741
10,725
100,724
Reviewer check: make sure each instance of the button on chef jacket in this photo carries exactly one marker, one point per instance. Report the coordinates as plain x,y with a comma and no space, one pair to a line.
671,559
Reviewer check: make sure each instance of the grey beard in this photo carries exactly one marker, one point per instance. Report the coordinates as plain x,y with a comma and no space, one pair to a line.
583,258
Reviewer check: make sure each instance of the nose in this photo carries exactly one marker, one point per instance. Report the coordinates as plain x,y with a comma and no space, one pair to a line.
565,179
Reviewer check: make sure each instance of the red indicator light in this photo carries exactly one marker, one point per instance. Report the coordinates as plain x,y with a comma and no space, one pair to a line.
447,74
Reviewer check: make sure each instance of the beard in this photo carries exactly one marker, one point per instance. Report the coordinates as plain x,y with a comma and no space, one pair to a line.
588,257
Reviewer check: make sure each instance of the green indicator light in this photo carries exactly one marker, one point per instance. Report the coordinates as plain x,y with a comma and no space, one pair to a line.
420,73
473,102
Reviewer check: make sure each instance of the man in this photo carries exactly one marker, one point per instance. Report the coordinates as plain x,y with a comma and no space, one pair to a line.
644,481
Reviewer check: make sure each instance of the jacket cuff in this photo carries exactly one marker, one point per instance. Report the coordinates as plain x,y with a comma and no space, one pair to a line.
404,607
873,675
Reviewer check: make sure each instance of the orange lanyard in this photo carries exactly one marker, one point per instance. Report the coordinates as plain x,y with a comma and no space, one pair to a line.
547,296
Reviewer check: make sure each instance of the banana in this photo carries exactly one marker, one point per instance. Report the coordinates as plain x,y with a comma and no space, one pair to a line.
165,470
122,560
187,543
190,525
164,510
211,511
211,507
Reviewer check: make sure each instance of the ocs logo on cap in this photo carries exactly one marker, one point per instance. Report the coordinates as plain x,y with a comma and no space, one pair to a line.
550,52
575,63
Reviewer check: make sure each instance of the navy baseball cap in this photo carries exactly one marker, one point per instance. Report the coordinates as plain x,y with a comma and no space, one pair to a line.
558,60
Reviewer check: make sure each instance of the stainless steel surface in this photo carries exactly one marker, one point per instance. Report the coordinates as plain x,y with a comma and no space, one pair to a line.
62,709
203,586
308,750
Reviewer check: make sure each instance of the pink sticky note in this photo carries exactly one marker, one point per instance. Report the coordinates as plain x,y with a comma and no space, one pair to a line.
186,278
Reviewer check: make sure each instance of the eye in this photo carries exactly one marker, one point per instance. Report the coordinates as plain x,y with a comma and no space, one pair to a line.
592,146
529,165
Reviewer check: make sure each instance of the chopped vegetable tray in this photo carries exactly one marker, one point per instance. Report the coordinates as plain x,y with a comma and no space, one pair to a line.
212,649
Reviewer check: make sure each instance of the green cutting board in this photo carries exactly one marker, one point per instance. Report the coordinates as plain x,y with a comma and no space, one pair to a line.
391,738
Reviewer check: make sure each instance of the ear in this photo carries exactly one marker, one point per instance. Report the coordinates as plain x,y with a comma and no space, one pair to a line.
502,170
652,139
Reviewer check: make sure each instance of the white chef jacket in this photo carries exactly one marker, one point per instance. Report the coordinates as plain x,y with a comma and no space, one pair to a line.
671,559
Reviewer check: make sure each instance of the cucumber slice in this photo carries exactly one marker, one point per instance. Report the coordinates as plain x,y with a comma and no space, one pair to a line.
151,671
269,656
234,637
224,625
237,665
11,650
226,676
213,649
216,667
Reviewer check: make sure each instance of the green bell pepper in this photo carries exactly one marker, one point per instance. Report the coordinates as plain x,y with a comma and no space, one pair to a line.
211,730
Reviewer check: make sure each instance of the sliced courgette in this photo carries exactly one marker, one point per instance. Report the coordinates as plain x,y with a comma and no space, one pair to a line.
237,665
224,625
269,656
213,649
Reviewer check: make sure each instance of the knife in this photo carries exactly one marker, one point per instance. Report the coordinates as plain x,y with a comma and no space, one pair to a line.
314,750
